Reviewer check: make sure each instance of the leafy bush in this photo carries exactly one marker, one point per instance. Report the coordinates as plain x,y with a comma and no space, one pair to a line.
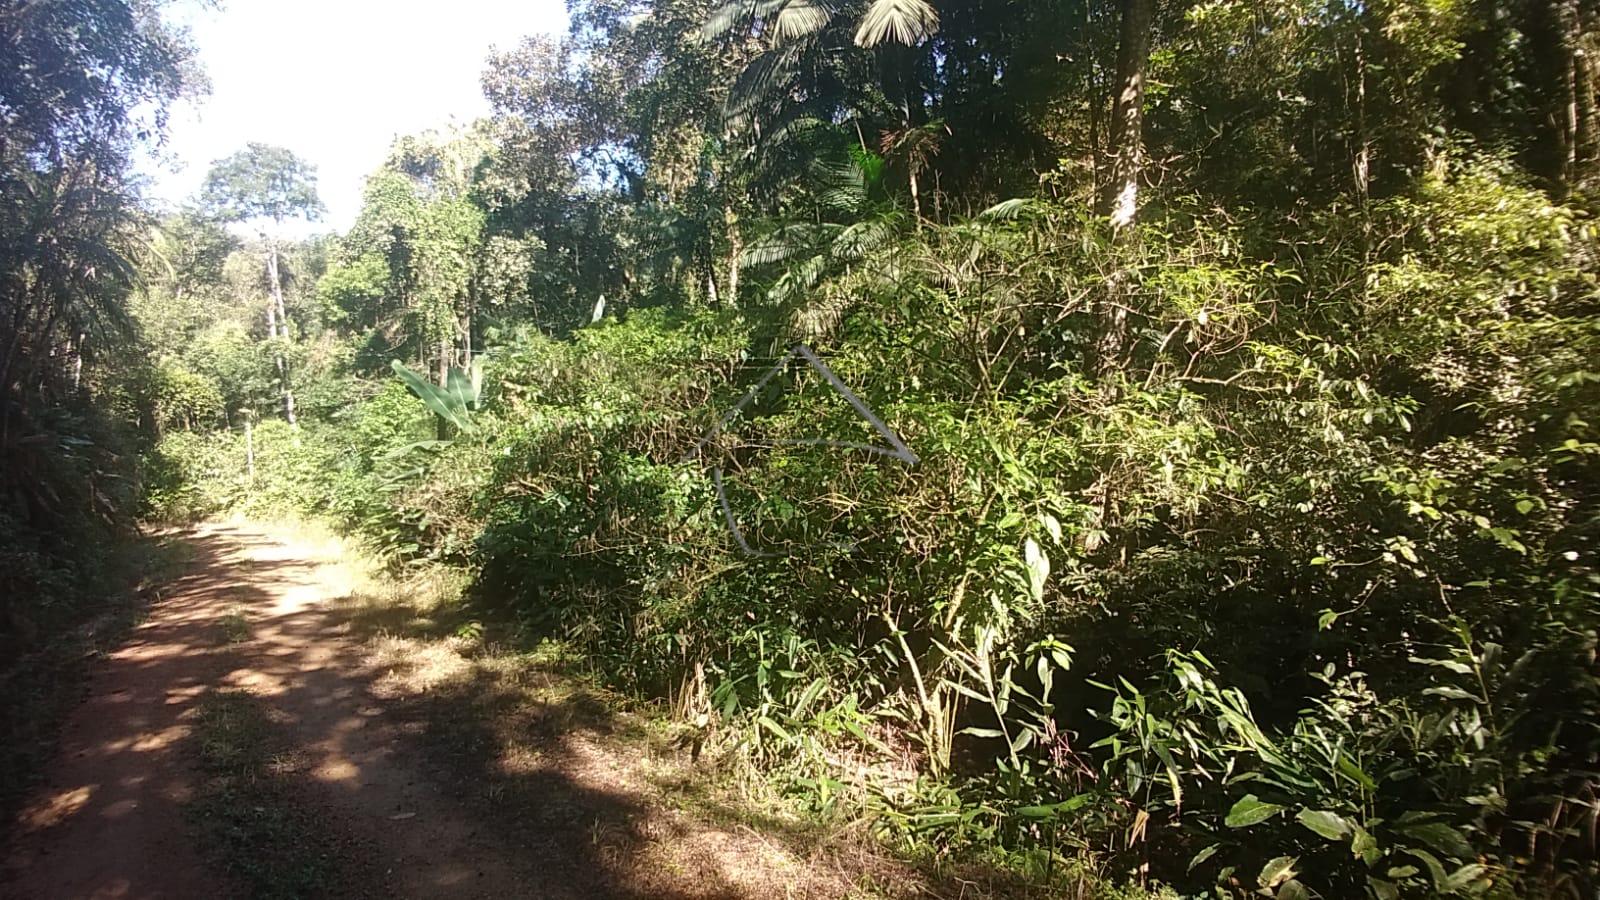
1296,597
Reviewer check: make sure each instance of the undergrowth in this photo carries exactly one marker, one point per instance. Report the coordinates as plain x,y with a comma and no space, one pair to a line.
41,683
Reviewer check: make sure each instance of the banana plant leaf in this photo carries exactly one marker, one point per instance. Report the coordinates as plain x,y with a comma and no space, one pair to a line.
450,402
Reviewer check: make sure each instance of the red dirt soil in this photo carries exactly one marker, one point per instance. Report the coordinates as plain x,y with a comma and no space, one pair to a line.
111,820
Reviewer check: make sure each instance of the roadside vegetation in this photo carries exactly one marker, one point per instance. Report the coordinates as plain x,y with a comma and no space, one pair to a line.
1247,350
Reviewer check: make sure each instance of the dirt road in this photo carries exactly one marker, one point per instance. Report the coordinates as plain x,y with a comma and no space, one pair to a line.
130,808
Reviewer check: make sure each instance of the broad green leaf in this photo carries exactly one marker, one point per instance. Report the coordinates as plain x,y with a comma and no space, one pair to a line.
1276,871
1440,837
1460,668
772,726
459,385
1435,868
1332,826
1250,810
1202,856
441,403
1293,890
1364,846
1038,567
1463,877
1051,810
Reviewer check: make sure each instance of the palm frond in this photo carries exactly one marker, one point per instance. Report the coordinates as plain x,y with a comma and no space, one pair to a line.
906,22
801,18
821,317
1010,210
795,130
843,200
756,84
799,281
861,239
842,187
784,244
735,15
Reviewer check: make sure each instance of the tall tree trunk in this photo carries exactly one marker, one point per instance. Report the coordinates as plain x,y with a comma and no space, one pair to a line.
1560,42
467,316
441,429
1120,200
77,361
278,328
1584,19
249,448
916,197
1126,133
1361,166
735,252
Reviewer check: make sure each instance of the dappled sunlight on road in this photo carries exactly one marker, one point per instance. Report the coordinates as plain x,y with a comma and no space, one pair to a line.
429,765
109,821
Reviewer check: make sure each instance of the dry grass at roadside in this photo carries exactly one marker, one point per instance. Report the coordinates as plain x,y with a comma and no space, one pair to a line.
535,742
516,721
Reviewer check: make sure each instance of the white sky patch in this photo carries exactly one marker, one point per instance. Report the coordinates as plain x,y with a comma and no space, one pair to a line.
335,81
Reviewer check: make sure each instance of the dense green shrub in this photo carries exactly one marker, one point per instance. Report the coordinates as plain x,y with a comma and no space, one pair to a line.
1382,561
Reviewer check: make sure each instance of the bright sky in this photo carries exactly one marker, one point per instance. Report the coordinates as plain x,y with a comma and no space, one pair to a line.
336,81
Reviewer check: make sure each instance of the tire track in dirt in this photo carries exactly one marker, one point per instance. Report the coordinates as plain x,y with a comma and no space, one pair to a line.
463,791
110,820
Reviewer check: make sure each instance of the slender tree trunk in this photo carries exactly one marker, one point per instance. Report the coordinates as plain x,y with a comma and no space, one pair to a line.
77,360
735,252
249,448
466,329
916,199
278,328
1361,167
1585,80
441,429
1126,134
1120,200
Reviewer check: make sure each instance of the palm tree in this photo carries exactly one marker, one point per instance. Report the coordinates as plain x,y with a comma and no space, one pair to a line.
792,31
854,226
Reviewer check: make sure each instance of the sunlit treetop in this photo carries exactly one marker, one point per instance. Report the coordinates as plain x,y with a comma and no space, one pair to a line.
262,182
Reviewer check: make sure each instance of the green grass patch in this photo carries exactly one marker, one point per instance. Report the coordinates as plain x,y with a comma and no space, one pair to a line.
235,627
245,812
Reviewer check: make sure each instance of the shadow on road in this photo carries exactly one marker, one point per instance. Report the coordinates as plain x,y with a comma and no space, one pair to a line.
410,798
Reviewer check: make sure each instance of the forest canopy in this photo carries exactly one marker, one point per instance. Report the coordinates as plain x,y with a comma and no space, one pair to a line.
1247,351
